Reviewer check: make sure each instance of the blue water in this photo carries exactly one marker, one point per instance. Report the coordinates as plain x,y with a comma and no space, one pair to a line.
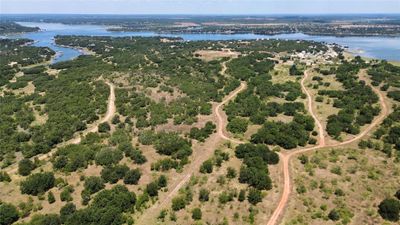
373,47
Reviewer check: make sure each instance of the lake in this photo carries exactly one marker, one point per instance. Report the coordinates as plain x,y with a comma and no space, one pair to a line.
372,47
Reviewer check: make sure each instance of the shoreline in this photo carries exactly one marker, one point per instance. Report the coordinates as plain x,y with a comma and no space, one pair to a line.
255,33
352,54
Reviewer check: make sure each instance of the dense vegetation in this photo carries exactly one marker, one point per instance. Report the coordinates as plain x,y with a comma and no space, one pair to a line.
356,102
8,27
64,114
37,183
387,136
255,169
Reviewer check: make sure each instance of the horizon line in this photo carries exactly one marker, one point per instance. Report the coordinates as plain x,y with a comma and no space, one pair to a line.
204,14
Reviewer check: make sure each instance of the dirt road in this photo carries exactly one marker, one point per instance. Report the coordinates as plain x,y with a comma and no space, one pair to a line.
111,109
151,213
222,122
285,158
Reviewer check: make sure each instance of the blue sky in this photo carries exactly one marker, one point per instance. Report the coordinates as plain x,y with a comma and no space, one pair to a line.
200,6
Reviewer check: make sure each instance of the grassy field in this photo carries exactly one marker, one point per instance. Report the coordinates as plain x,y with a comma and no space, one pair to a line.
349,180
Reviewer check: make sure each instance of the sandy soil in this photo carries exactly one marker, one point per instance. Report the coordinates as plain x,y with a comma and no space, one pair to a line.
285,157
209,55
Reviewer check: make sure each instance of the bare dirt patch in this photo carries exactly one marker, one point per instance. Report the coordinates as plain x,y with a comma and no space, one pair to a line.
209,55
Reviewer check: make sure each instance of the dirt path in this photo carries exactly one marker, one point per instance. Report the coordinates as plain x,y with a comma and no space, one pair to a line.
285,158
224,67
111,109
151,213
222,121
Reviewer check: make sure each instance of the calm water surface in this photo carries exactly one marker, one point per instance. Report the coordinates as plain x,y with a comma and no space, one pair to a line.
373,47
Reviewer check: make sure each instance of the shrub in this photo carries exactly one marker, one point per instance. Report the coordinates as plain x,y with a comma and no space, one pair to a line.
85,195
178,203
136,155
4,177
152,189
112,174
67,210
107,207
237,125
172,144
93,184
72,157
106,157
50,197
196,214
132,176
336,170
250,150
254,196
162,215
207,166
104,127
8,214
203,133
225,197
25,166
204,195
303,159
162,181
333,215
65,195
397,195
231,173
37,183
242,195
255,177
46,219
165,164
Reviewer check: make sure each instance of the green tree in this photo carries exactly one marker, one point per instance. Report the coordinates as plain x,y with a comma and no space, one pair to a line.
178,203
67,210
237,125
8,214
65,194
104,127
25,166
162,181
207,166
254,196
107,157
93,184
47,219
152,189
37,183
132,176
389,209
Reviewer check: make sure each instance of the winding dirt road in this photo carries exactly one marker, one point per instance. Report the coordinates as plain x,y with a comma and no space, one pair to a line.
285,157
222,121
149,214
111,109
